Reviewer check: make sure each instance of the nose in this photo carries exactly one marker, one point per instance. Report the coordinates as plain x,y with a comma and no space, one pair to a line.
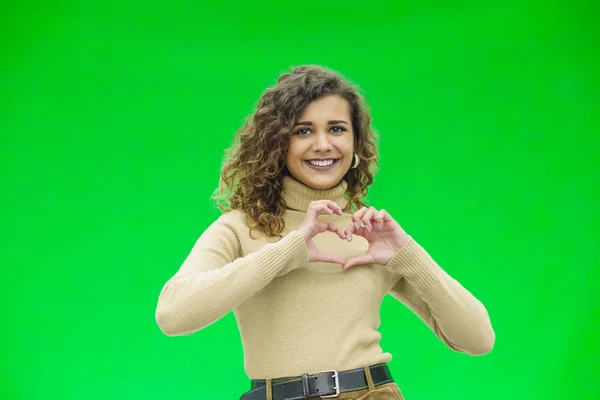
322,143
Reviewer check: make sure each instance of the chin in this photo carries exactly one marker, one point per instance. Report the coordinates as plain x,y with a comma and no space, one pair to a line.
321,184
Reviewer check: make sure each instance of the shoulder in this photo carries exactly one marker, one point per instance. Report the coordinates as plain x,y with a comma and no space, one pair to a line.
225,230
238,222
235,219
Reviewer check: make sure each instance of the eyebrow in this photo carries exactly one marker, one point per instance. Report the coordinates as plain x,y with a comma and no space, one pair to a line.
332,122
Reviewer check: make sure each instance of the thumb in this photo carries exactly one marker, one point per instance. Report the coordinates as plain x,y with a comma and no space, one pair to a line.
329,258
358,260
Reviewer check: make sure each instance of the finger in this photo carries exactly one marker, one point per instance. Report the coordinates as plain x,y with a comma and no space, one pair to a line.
342,235
338,231
381,217
323,227
326,208
385,216
378,216
360,231
329,226
349,231
367,217
352,230
358,215
318,209
358,260
331,205
334,207
329,258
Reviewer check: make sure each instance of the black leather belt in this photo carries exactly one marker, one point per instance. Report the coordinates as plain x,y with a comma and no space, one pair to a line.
324,384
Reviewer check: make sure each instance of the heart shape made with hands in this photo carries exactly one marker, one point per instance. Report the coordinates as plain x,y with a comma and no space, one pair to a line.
385,237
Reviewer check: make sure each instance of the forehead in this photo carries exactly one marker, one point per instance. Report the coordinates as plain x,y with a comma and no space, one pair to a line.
326,107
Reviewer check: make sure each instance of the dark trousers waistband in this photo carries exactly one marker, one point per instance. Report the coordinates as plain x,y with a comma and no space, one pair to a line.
328,383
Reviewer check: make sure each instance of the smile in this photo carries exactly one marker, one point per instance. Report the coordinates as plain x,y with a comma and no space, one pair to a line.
322,165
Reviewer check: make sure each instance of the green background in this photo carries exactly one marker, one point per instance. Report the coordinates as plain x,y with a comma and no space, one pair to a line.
114,119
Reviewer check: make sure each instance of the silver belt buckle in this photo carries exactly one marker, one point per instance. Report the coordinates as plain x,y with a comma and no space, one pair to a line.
336,380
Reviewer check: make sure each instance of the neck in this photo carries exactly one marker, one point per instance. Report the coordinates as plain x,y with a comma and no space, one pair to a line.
298,196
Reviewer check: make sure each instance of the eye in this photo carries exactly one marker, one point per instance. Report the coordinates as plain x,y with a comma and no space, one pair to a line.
303,132
340,129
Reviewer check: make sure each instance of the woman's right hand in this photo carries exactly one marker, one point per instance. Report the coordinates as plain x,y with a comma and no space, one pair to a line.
310,228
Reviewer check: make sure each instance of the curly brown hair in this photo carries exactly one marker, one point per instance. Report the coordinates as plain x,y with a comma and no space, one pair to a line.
254,168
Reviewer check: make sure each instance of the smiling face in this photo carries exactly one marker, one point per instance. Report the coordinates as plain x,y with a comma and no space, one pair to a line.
322,143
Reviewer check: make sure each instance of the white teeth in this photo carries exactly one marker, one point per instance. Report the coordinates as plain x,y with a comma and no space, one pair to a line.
322,163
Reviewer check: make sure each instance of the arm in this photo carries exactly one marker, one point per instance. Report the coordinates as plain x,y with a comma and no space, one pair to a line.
214,278
452,312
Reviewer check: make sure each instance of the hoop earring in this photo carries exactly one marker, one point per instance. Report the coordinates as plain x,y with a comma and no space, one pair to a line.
356,161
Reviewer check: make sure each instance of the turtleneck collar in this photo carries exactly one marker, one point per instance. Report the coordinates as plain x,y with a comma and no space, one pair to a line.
297,195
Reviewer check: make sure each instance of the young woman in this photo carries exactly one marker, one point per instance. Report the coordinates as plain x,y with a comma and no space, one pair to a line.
303,262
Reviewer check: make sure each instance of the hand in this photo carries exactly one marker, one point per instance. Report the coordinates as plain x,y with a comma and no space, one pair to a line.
310,228
384,234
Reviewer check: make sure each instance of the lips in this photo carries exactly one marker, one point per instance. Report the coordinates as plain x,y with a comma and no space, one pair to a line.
322,161
325,164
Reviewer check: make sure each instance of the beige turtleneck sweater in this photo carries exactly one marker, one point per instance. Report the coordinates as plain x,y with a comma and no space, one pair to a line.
295,316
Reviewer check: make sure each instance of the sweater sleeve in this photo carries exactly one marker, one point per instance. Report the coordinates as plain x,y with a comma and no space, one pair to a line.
215,277
451,311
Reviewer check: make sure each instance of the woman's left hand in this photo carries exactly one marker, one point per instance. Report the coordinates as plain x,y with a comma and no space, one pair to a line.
384,234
